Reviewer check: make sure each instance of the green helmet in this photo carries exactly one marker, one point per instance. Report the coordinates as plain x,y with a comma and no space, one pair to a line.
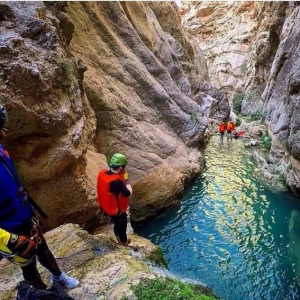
117,160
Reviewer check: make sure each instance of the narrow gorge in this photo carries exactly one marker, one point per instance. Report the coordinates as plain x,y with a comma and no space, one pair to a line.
84,80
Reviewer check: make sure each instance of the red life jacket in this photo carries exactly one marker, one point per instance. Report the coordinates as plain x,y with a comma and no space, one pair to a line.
229,127
106,200
222,127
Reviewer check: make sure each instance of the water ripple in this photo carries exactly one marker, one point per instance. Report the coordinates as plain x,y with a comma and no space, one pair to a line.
231,233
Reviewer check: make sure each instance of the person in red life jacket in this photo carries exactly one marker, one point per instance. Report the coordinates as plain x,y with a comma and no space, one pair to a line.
221,130
113,191
238,134
229,130
21,239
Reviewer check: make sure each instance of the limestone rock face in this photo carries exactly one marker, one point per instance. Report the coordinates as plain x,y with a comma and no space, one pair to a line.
83,80
140,81
239,41
51,122
105,270
251,48
281,102
270,19
225,31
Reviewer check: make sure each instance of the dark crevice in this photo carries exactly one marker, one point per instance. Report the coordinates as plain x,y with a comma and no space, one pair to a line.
6,13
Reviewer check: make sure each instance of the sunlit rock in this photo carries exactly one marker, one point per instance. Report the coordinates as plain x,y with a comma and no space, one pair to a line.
105,270
83,80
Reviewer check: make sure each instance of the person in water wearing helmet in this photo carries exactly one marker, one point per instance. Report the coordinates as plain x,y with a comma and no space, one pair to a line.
113,191
21,239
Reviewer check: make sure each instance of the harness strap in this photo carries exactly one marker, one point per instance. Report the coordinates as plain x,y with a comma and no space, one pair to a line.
22,189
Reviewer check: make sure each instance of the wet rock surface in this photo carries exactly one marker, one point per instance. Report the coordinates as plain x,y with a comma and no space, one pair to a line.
105,269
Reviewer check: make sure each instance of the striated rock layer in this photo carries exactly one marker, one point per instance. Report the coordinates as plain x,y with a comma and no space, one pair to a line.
86,79
105,269
251,48
239,40
224,31
281,103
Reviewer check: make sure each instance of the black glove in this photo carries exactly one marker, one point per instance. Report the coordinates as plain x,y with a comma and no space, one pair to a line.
22,246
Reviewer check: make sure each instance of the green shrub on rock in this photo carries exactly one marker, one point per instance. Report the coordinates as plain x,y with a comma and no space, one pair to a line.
266,140
237,102
157,258
238,122
257,115
170,289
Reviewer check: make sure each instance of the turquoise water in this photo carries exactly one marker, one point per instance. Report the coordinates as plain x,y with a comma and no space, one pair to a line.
231,232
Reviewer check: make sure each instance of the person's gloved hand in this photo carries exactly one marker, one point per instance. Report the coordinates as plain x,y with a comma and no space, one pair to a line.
22,246
125,175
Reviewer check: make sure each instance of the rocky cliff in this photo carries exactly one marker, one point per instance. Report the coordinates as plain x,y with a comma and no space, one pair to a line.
281,102
82,80
224,31
239,41
251,49
106,271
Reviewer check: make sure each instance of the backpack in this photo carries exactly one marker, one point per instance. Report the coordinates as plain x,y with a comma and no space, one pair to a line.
27,291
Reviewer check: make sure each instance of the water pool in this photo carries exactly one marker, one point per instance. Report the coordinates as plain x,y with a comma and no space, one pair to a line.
231,232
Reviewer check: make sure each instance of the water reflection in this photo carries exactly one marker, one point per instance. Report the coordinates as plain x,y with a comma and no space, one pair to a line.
232,233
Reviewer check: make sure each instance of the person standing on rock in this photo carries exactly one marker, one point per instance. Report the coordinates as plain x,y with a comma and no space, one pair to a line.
113,191
21,239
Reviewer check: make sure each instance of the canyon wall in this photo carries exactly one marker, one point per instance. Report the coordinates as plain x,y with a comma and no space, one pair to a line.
251,50
83,80
239,40
281,102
